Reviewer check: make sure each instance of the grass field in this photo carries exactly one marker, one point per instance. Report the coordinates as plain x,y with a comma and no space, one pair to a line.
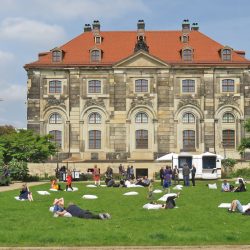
196,221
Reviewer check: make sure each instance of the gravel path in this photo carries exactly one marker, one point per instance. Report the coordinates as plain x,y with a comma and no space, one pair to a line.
18,185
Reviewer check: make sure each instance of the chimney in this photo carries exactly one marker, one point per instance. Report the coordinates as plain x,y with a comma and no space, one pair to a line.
140,29
195,26
96,27
87,27
185,25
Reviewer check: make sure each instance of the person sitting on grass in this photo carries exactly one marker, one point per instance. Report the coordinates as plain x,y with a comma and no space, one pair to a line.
25,194
225,187
55,185
76,211
170,202
241,187
237,207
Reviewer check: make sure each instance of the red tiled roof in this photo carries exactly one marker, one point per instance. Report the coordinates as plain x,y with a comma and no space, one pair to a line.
117,45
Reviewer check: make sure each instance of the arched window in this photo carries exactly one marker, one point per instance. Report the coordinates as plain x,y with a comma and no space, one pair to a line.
141,85
188,139
95,55
56,137
94,86
228,138
141,139
55,87
228,118
188,86
187,55
94,139
55,118
141,118
228,85
56,56
95,118
226,54
188,118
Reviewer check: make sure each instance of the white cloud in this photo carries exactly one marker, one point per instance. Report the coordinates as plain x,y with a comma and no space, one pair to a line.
6,57
13,92
69,10
30,31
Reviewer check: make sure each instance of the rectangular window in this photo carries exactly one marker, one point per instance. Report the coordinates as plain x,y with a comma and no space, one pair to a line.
228,85
228,137
188,139
94,86
56,137
55,87
141,139
57,56
141,85
188,86
94,139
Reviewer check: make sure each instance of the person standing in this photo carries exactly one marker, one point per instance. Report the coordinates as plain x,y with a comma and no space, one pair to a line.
162,175
69,181
132,173
176,175
193,172
96,175
128,172
186,172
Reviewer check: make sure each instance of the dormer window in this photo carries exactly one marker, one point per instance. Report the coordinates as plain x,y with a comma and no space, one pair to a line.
185,38
98,40
226,54
56,56
187,54
95,55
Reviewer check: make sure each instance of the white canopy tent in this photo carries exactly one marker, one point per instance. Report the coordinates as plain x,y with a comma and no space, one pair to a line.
167,157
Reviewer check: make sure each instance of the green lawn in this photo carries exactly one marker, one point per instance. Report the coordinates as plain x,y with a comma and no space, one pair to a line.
197,221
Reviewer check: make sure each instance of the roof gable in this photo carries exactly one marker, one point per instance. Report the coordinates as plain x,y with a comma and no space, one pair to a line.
141,59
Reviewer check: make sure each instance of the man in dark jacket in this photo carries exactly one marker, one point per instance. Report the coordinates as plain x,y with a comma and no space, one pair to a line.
186,172
193,172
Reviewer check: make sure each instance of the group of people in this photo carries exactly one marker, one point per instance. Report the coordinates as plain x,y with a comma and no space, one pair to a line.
56,186
168,175
226,187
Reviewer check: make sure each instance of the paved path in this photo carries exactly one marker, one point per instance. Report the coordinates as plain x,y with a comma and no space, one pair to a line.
18,185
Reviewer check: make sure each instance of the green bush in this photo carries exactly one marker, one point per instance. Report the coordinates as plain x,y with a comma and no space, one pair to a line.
18,170
242,172
228,165
5,181
31,178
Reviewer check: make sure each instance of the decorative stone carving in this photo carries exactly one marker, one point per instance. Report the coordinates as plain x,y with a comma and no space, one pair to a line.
52,101
141,101
228,100
141,45
94,102
114,156
188,101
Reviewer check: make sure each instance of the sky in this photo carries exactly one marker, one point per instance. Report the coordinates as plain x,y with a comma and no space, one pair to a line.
28,27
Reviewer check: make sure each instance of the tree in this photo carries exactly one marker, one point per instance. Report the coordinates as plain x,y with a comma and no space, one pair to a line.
26,146
245,142
6,129
228,165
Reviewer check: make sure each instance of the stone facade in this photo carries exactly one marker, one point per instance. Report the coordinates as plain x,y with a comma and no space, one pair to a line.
164,104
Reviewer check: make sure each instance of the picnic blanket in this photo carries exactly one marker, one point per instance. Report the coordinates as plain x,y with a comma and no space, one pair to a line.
89,196
130,193
152,206
165,196
43,192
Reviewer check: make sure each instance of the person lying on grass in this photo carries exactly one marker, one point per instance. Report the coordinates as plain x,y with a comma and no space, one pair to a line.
25,194
76,211
170,202
237,207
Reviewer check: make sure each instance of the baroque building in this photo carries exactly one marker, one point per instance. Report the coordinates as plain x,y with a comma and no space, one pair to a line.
136,95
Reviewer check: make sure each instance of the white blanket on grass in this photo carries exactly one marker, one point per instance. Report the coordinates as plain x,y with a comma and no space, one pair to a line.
212,186
70,190
53,189
43,192
131,193
178,187
91,186
157,191
164,197
89,196
18,199
152,206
